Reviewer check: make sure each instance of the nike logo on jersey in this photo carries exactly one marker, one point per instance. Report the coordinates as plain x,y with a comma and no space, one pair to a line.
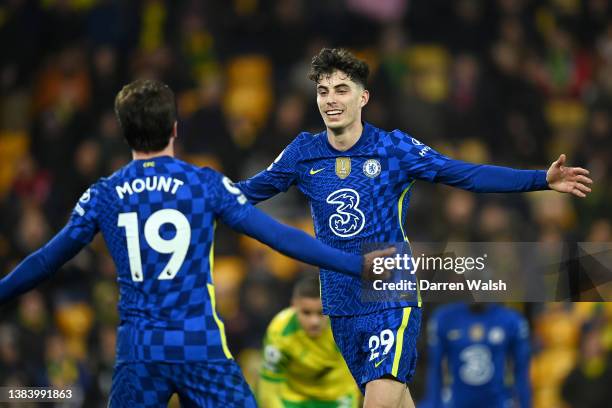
313,171
376,364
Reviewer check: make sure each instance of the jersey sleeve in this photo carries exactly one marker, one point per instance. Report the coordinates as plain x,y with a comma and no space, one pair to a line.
274,359
424,163
228,202
278,177
521,352
417,159
484,178
39,265
297,244
83,224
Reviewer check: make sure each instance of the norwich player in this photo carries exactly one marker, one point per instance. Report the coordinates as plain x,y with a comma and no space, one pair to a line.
302,364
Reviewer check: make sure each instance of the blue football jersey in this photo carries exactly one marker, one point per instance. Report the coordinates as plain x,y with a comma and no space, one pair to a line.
477,347
157,217
358,196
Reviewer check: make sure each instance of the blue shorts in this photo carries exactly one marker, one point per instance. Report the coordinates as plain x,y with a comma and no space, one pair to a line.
379,344
198,384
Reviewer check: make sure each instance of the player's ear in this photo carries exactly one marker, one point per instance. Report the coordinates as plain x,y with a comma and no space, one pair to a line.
365,97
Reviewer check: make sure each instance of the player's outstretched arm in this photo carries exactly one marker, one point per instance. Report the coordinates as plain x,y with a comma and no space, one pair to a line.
297,244
497,179
278,177
259,188
424,163
39,265
234,209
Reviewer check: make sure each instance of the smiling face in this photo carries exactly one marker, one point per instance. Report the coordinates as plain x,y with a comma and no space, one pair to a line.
340,100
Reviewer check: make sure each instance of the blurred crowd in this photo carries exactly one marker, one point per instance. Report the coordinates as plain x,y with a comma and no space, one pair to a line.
510,82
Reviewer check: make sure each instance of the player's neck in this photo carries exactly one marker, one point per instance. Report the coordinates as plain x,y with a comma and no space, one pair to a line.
167,151
345,138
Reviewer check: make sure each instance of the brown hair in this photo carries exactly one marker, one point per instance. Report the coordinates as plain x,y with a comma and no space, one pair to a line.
329,60
146,111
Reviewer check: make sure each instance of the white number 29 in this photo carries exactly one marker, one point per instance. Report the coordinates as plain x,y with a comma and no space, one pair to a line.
177,246
386,339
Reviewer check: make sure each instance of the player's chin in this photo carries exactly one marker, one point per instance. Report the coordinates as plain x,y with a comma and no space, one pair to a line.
314,333
334,124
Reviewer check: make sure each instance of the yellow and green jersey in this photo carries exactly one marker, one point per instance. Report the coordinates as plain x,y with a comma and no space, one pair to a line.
299,371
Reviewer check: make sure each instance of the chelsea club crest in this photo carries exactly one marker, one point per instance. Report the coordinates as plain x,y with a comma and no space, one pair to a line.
371,168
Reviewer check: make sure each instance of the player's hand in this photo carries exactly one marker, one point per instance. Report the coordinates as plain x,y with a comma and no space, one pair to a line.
571,180
368,263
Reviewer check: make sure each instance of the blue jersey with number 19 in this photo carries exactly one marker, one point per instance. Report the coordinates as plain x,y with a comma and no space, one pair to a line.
157,218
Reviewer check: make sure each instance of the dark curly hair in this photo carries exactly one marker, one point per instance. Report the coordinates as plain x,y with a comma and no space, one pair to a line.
329,60
146,111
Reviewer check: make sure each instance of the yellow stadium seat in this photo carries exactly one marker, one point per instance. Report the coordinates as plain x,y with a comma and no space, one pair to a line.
204,160
249,70
550,367
473,150
558,328
282,266
75,321
429,67
228,273
13,148
248,98
548,397
566,113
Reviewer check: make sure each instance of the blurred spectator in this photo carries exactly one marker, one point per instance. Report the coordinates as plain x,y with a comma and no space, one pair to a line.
105,78
467,103
64,84
34,322
9,354
588,384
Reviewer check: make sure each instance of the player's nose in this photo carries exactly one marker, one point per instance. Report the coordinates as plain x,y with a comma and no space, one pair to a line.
331,100
332,105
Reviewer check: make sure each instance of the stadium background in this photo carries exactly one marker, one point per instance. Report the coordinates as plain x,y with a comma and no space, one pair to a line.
512,82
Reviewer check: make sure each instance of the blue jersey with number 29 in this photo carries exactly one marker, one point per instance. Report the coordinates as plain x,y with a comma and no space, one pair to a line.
357,196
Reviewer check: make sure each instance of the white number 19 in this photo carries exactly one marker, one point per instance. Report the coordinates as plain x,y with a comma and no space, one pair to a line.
177,246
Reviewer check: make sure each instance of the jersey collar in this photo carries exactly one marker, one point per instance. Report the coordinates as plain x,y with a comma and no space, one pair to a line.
158,159
368,130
